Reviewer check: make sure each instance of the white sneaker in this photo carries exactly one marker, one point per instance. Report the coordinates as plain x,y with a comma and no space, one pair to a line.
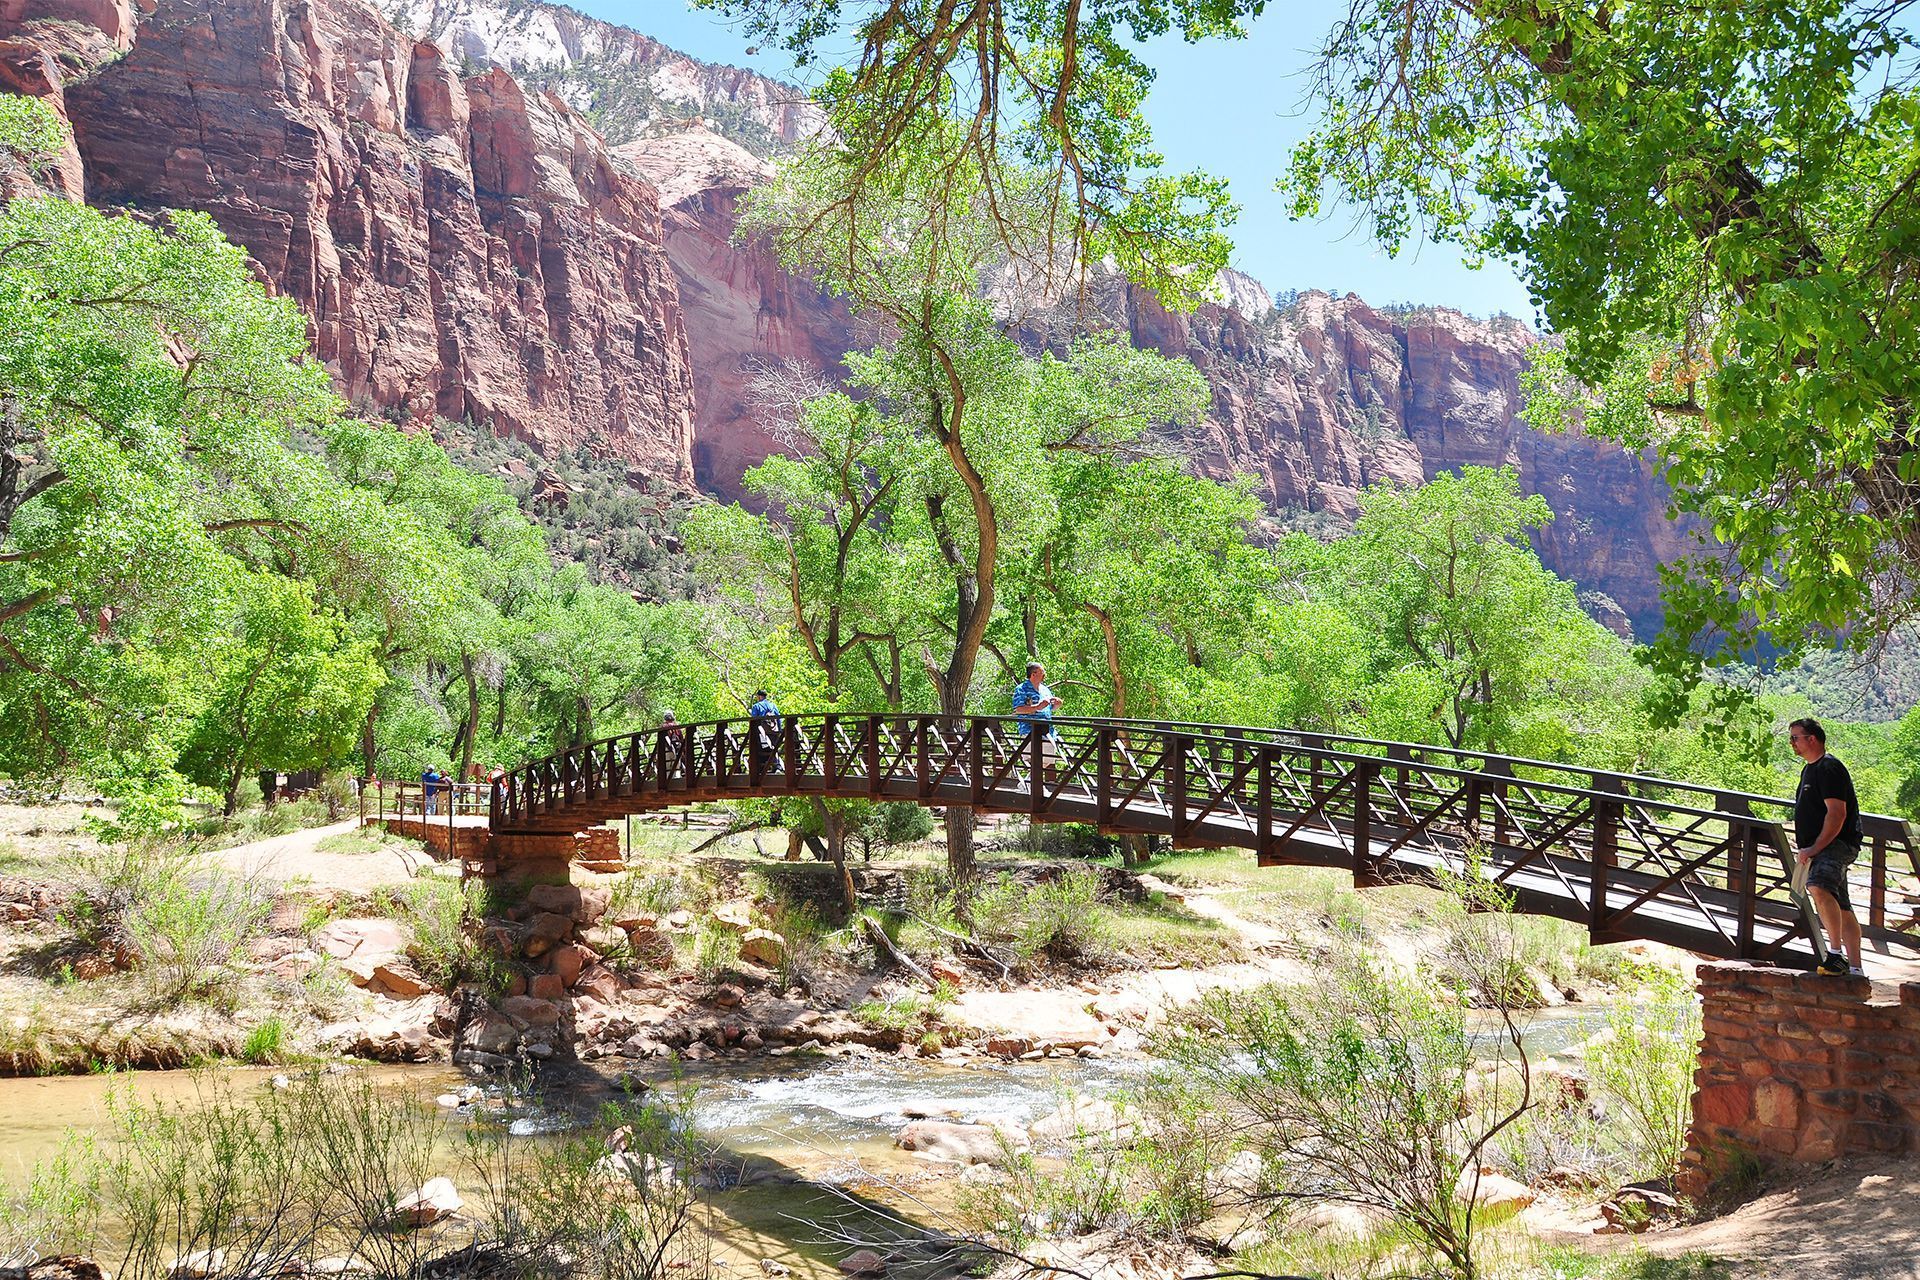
1857,972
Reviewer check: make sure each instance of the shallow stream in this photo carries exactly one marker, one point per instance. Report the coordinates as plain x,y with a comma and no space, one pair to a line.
793,1137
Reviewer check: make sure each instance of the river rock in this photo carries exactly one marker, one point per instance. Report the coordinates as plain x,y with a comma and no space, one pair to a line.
585,904
545,932
199,1265
960,1143
403,1034
399,979
598,984
1008,1046
737,917
948,972
566,962
530,1011
864,1262
546,986
1494,1193
490,1032
436,1199
604,939
1084,1118
763,946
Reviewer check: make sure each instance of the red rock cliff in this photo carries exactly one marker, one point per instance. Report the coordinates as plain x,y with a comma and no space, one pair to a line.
465,249
741,307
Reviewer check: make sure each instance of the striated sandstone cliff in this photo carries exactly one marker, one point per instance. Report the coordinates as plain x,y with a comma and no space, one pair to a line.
465,249
741,308
1328,396
470,248
626,82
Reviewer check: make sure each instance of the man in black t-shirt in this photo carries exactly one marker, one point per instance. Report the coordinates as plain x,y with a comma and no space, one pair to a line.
1826,837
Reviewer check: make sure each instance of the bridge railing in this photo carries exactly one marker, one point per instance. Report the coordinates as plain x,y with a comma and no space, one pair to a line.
1630,846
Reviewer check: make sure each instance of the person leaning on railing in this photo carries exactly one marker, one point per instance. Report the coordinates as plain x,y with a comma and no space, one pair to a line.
676,738
1033,707
1827,838
765,733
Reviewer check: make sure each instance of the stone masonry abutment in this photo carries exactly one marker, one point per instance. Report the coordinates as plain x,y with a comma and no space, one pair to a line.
1799,1068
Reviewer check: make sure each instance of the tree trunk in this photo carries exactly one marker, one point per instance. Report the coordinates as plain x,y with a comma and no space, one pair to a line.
473,715
960,863
833,825
369,750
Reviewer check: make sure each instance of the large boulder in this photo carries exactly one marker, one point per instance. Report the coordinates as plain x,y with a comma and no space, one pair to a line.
546,931
1495,1194
436,1199
361,946
763,946
528,1011
584,904
960,1143
490,1032
1081,1117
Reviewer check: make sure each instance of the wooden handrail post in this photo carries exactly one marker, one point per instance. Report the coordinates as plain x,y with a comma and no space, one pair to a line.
1364,874
1747,885
1177,781
1263,802
976,752
790,751
830,752
1036,772
1103,776
1606,853
922,760
1877,893
874,789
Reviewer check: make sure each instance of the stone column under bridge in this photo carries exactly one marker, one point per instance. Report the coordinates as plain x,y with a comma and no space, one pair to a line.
1800,1068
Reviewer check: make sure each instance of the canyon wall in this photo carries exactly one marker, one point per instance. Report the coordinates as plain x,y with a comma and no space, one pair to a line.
465,248
435,187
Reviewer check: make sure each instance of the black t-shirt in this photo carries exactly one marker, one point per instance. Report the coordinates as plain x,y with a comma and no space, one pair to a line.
1823,780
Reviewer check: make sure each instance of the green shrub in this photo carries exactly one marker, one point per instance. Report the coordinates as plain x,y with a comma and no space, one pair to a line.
715,952
180,919
1643,1063
266,1043
1062,917
441,943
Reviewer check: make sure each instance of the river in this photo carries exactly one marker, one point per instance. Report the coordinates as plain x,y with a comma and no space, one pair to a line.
799,1139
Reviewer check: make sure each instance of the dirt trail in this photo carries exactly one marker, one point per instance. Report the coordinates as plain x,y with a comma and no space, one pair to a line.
1853,1222
296,856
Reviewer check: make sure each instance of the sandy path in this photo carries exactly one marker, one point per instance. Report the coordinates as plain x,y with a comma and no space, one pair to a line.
295,856
1067,1014
1853,1222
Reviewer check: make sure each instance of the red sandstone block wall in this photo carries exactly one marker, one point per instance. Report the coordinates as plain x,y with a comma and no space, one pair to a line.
1801,1067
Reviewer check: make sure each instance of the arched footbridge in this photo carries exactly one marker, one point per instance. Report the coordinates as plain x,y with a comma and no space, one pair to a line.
1631,857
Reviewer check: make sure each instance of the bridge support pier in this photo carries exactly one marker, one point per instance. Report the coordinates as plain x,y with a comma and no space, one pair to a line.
1800,1068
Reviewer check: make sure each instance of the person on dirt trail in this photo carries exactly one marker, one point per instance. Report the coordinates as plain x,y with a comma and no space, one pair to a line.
766,731
1827,837
1033,707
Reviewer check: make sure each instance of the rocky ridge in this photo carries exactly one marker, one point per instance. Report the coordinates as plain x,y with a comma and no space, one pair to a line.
471,248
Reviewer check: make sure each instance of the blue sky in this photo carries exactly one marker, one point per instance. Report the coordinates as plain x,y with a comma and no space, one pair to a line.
1232,109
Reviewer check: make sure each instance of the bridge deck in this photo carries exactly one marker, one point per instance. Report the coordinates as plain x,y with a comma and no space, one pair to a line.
1629,856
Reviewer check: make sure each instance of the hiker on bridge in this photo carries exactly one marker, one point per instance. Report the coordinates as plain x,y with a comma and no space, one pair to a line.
1033,707
430,781
1827,838
676,736
765,732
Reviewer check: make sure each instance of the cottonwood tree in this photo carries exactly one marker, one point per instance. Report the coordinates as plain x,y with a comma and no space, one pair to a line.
1716,209
1471,635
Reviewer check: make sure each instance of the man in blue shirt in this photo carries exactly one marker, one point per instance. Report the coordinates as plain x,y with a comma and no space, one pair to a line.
766,731
1033,706
430,788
